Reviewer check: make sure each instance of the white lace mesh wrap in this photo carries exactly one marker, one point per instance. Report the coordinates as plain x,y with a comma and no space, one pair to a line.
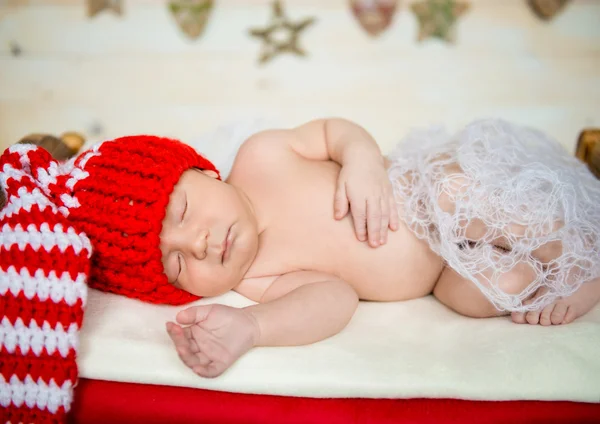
506,185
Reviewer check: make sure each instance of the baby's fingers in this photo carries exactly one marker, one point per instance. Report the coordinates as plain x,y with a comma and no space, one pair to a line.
193,315
374,217
340,205
359,217
176,334
385,221
394,218
181,342
187,332
211,370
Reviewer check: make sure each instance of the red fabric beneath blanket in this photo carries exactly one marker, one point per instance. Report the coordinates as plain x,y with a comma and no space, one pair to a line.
104,402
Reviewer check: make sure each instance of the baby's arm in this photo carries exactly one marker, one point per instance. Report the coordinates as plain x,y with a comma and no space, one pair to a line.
318,308
363,187
335,139
301,308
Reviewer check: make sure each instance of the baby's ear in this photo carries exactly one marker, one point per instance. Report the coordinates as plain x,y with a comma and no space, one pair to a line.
211,174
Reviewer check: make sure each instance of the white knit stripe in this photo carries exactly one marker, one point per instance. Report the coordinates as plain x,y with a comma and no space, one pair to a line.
47,176
25,200
22,148
43,237
44,286
78,173
8,171
35,338
67,166
69,202
38,394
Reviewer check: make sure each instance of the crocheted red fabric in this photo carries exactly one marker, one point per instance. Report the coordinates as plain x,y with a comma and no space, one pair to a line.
113,197
118,193
44,264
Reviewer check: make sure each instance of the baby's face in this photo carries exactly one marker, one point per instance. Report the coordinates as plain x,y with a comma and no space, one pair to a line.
209,236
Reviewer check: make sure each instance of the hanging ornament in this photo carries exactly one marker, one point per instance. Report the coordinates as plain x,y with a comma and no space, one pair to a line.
281,35
191,15
437,18
588,149
547,9
96,6
374,15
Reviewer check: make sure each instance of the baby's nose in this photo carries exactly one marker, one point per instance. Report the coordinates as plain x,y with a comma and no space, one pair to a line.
198,244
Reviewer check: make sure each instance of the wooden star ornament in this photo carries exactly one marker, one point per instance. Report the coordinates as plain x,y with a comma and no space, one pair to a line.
437,18
96,6
280,35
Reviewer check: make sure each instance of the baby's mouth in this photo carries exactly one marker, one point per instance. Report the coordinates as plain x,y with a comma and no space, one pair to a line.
226,245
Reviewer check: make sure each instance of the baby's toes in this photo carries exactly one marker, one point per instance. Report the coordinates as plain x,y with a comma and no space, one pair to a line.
533,317
518,317
558,314
570,315
545,315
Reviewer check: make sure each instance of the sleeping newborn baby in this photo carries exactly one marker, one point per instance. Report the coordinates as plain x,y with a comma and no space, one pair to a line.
313,219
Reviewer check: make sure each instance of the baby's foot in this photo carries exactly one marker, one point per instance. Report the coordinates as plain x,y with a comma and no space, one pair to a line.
563,311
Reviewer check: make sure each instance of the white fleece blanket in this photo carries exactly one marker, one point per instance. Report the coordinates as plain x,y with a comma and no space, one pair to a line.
417,348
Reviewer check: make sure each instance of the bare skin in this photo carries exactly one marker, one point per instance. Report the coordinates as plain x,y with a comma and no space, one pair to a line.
307,241
564,311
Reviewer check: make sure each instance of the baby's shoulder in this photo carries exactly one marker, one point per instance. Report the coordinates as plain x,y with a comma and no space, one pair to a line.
266,150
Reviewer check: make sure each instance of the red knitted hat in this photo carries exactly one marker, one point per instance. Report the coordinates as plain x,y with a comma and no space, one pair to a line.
119,191
44,264
112,198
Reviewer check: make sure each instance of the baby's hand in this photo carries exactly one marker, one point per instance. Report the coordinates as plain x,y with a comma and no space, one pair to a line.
216,336
366,188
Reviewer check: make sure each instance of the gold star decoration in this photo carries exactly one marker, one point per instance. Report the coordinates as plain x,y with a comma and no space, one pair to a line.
281,35
191,15
437,18
547,9
96,6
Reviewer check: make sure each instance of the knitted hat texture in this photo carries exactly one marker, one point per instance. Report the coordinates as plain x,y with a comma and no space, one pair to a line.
44,264
95,220
117,195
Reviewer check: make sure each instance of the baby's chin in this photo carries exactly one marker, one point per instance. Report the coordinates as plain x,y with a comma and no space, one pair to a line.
215,290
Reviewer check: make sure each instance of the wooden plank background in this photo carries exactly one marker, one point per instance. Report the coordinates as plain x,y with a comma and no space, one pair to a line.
116,75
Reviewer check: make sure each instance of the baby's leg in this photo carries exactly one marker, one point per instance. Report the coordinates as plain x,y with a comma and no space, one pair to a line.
564,311
464,297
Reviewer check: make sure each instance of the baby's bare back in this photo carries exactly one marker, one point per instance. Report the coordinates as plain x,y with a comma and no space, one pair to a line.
294,197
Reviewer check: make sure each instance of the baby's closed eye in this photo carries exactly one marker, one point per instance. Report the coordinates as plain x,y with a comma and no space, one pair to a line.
502,248
499,245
